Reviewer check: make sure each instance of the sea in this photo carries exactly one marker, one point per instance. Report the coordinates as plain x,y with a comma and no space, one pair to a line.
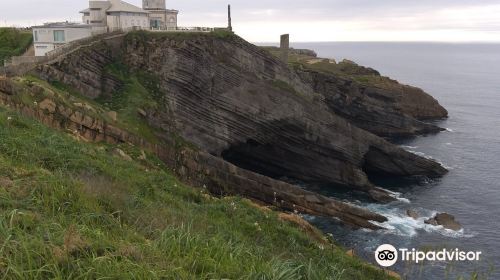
465,79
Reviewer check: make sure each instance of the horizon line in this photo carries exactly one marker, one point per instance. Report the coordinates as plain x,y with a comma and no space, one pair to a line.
382,41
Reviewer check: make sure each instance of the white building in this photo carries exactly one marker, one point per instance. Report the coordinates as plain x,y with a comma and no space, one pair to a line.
106,16
50,36
102,17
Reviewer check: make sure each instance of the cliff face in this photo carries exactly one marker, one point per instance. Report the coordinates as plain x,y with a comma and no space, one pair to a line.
384,112
239,103
373,102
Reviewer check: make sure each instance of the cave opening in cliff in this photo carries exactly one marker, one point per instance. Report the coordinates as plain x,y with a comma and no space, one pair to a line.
376,163
254,156
384,170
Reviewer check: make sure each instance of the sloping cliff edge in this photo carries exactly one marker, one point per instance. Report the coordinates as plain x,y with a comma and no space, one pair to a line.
251,118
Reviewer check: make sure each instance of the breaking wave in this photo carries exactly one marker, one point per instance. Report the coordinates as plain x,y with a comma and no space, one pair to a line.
401,224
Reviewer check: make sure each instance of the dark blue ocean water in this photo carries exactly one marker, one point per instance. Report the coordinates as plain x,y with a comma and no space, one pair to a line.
465,78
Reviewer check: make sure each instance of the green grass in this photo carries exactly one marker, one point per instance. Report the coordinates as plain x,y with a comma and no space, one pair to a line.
132,97
72,210
140,91
181,35
282,85
125,102
13,42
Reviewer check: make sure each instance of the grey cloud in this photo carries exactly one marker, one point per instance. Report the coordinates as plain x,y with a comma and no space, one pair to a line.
329,8
378,13
243,9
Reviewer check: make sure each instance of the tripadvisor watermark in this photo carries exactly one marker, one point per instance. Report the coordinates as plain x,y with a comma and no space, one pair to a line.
387,255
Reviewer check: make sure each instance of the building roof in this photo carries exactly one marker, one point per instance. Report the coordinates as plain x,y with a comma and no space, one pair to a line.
63,25
85,11
121,6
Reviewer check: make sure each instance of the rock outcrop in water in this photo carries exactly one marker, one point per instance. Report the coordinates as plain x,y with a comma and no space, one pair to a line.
446,220
239,104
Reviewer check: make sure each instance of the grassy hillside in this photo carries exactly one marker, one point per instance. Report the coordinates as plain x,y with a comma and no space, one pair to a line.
13,42
71,209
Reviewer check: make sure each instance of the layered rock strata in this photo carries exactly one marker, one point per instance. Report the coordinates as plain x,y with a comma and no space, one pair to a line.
239,103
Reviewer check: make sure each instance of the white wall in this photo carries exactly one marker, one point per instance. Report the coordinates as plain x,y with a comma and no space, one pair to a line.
46,34
43,37
42,49
113,21
167,17
118,20
133,19
171,21
98,12
86,18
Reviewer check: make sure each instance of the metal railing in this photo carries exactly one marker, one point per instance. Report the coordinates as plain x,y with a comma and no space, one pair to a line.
188,29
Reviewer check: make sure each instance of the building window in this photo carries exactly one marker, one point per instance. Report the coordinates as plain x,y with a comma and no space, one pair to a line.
59,36
36,36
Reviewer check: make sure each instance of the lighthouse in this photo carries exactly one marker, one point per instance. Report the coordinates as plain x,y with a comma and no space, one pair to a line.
160,18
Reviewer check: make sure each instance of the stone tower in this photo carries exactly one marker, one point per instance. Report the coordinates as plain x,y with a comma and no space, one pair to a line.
154,5
284,47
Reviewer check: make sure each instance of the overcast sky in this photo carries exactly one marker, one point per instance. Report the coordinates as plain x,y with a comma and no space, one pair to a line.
306,20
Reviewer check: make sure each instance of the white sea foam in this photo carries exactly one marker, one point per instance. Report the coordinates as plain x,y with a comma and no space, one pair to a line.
444,165
402,199
398,196
421,154
449,130
399,223
409,147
